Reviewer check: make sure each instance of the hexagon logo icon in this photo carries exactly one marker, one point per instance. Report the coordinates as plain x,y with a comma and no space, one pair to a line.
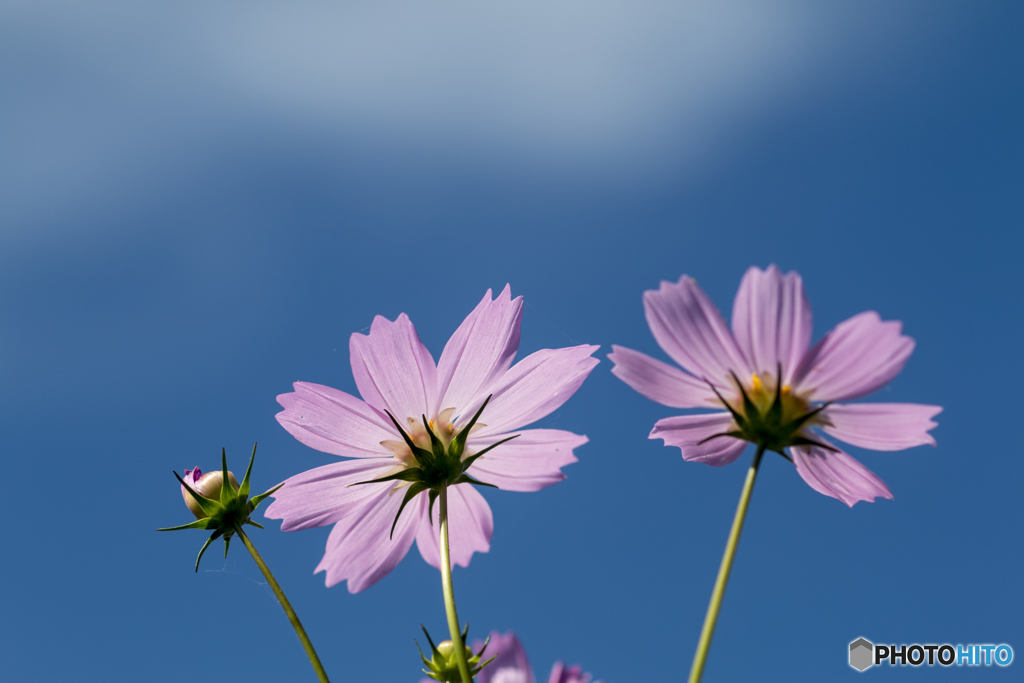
861,654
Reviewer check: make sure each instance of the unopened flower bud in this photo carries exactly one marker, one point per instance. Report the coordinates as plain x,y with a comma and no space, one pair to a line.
207,485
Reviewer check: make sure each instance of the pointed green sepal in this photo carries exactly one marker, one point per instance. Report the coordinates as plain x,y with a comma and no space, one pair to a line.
414,490
208,505
206,545
411,474
804,441
459,443
734,434
255,524
471,459
256,500
243,489
466,479
735,415
204,523
423,457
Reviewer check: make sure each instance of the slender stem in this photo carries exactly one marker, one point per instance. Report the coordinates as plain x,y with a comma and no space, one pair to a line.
711,618
292,617
449,592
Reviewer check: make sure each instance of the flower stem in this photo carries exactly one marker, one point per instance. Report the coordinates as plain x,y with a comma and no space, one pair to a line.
449,592
292,617
711,618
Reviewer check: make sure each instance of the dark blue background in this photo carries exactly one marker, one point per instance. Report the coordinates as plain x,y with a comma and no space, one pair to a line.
176,250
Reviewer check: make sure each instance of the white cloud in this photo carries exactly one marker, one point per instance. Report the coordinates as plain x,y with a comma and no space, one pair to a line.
104,103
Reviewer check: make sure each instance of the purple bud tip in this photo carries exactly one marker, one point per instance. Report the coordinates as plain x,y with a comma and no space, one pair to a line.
192,476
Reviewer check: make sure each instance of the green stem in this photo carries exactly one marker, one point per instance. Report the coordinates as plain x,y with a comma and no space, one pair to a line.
706,633
292,617
449,592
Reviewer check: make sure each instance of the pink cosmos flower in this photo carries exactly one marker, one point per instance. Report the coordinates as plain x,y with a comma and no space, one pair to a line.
776,388
512,666
396,376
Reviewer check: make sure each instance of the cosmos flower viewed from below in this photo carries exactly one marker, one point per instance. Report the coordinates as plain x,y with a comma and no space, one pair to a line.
412,410
775,389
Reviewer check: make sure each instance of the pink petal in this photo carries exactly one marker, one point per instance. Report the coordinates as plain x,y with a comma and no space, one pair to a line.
470,526
838,475
573,674
528,462
480,351
692,332
685,431
859,356
334,422
359,548
534,387
660,381
772,320
882,426
393,369
324,495
510,656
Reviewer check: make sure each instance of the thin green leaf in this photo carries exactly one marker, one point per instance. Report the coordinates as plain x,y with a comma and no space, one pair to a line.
466,479
243,490
206,545
460,439
256,500
735,415
226,492
411,474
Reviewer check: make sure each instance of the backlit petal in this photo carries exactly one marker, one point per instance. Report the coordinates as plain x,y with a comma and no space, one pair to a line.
511,657
859,356
689,328
534,387
360,549
528,462
882,426
771,320
480,351
838,475
393,369
659,381
334,422
470,526
685,431
325,494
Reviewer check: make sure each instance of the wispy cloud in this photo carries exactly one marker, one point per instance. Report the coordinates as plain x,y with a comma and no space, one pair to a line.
102,103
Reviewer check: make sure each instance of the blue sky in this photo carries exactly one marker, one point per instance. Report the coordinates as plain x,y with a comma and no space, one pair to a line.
199,204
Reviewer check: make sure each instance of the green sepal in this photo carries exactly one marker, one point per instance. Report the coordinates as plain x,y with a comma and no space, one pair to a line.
410,474
243,489
775,411
748,406
255,524
256,500
414,490
740,420
734,434
460,438
227,493
227,542
430,508
211,539
466,479
435,443
208,505
471,459
203,523
796,423
433,648
424,457
804,441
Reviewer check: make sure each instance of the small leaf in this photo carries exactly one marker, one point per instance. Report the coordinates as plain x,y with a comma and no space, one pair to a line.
460,439
411,474
226,492
206,545
466,479
256,500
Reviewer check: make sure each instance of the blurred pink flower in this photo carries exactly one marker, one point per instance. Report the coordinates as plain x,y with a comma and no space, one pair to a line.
394,372
512,666
775,386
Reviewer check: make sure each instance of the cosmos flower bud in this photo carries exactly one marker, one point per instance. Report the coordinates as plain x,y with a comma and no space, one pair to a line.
443,665
218,509
207,485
